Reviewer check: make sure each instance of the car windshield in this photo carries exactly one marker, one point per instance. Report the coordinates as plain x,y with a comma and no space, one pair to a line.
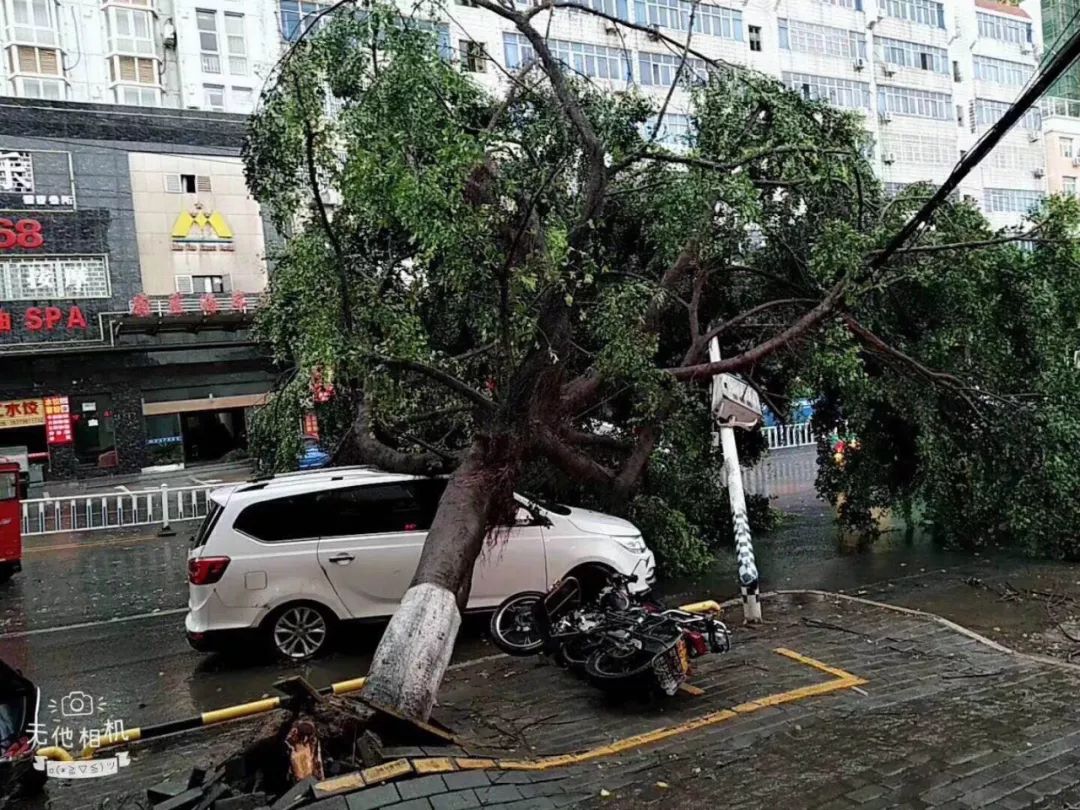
548,506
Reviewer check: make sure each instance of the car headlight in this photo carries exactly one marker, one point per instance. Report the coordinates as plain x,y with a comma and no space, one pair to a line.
633,544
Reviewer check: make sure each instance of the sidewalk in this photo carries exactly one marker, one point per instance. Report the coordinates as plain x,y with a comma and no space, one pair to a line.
868,708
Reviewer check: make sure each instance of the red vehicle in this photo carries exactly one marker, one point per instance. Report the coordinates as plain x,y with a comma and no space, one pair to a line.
11,490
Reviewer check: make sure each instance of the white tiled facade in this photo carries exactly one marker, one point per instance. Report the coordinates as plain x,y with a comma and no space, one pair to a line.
930,76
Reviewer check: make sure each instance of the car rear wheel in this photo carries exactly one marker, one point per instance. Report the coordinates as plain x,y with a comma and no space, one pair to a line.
298,632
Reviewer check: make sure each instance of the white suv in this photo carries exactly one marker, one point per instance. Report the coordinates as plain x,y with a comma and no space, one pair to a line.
290,556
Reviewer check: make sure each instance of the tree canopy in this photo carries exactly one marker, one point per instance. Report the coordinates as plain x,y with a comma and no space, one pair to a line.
546,264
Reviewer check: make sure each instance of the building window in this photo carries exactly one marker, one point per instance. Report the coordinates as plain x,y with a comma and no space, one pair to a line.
910,102
28,59
838,92
16,172
1068,185
38,279
214,97
1008,155
925,150
857,5
208,284
823,40
128,73
51,89
985,113
913,55
297,16
133,69
676,130
234,38
615,8
1010,200
138,96
755,37
208,41
187,183
473,56
1003,29
32,22
659,69
956,77
708,19
586,59
243,98
926,12
1003,72
1066,147
132,31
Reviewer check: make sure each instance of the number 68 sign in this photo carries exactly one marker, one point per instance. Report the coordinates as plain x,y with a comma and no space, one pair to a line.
24,233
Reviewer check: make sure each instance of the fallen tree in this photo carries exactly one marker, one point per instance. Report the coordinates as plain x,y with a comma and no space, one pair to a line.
491,282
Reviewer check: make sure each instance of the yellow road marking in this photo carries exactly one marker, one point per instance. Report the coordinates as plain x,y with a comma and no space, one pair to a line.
841,680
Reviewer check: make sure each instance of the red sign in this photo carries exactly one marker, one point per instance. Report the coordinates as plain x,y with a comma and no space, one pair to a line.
58,421
23,233
45,319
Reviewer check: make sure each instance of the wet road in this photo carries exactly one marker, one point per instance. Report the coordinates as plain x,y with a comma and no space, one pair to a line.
105,615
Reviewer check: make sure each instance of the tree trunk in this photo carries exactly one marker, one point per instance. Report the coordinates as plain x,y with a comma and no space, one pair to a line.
415,650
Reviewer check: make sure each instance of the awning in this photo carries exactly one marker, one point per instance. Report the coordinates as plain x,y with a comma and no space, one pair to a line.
205,404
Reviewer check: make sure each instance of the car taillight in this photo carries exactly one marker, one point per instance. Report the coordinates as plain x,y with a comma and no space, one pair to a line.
206,570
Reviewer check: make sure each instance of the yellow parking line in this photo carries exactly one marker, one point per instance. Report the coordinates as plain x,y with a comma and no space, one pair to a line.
841,680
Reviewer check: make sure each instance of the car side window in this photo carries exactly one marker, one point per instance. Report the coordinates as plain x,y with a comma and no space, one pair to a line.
371,509
428,492
295,517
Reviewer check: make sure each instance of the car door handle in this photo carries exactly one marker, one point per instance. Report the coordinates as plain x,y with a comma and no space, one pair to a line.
342,559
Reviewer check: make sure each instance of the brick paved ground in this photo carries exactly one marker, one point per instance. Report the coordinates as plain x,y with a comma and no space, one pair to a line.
943,722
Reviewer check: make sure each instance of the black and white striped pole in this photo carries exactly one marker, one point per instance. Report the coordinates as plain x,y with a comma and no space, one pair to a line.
736,404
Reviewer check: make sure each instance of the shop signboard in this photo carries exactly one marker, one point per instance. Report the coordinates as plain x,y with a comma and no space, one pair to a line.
58,421
17,413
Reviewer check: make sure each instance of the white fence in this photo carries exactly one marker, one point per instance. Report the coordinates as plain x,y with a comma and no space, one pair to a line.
781,436
115,510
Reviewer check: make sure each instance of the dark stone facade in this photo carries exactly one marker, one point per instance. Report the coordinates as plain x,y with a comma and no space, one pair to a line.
84,206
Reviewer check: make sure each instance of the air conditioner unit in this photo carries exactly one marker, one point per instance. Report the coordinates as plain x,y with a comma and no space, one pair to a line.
1076,161
1038,172
611,29
1033,137
888,158
888,69
860,64
1026,49
885,117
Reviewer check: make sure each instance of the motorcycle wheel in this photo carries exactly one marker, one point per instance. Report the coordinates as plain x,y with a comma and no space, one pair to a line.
575,653
612,664
512,627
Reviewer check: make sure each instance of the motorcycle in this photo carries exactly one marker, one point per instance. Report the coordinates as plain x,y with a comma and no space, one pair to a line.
616,641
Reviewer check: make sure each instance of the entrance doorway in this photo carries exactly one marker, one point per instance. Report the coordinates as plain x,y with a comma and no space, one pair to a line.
210,435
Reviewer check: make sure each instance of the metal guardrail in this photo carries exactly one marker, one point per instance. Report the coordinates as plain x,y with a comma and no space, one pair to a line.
115,510
796,435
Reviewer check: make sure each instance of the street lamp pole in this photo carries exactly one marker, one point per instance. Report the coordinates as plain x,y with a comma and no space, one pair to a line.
744,548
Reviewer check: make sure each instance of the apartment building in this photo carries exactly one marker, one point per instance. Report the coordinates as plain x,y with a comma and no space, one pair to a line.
211,55
929,77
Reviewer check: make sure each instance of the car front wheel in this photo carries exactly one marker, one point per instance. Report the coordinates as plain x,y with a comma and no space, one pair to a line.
298,632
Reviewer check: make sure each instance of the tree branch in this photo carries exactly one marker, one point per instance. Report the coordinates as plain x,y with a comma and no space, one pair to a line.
575,464
443,378
320,207
810,320
387,458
